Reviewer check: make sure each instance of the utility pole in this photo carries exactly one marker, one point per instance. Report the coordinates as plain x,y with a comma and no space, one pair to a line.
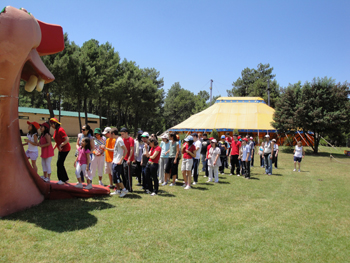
268,92
211,91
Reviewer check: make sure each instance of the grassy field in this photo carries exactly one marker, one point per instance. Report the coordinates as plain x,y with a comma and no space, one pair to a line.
287,217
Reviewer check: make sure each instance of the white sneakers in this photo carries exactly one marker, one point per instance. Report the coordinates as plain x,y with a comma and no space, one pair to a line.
165,183
100,183
116,192
172,184
194,183
153,194
88,187
79,185
294,170
60,182
187,187
209,181
123,193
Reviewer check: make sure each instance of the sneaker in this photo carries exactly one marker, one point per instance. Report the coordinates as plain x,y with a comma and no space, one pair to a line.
299,170
231,174
175,180
60,182
47,179
204,176
194,183
148,191
78,185
187,187
184,185
100,183
43,177
165,183
88,187
247,178
294,170
123,193
116,192
268,174
160,181
153,194
172,184
209,181
238,175
111,186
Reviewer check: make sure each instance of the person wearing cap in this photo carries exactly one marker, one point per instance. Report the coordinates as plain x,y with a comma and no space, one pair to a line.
128,159
214,161
97,162
164,156
86,132
275,152
252,149
223,145
63,146
173,160
268,152
245,157
136,164
235,146
109,150
46,151
261,154
144,160
188,150
198,145
32,142
205,143
119,152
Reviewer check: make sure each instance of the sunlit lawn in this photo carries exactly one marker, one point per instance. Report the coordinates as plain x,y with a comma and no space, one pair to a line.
287,217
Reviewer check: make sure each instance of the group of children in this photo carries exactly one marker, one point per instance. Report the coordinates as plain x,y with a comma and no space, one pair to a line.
123,157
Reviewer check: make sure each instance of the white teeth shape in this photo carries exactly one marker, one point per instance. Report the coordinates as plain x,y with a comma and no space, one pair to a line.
40,85
31,83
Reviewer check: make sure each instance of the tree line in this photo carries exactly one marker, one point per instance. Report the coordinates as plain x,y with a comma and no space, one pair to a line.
93,79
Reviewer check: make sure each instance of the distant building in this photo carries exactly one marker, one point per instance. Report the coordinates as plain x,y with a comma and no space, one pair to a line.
69,119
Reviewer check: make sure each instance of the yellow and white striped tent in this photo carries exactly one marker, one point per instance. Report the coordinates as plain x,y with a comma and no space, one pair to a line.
247,114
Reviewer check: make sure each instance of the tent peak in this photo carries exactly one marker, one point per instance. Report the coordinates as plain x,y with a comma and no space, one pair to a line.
240,100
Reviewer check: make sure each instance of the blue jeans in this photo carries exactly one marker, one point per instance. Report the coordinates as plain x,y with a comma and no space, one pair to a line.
195,169
203,162
268,163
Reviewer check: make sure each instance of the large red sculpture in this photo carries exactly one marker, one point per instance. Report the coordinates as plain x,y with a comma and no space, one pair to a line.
23,39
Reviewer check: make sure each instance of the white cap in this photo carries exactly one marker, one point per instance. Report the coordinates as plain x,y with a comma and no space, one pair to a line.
267,136
107,130
165,136
214,140
145,134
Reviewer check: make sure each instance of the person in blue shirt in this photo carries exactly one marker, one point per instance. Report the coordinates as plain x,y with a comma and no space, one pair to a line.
246,158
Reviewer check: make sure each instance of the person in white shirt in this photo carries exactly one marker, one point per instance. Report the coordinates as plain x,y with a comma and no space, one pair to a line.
298,155
268,153
214,161
197,143
120,151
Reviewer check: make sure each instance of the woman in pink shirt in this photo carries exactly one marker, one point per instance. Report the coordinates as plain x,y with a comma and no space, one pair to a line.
46,150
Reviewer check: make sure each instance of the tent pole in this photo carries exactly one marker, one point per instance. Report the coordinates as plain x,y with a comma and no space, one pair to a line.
258,138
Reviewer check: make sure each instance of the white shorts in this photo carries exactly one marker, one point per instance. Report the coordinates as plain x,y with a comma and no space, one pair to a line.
108,168
187,164
32,155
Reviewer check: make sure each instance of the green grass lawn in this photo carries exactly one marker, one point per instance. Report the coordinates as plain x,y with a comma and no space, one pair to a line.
287,217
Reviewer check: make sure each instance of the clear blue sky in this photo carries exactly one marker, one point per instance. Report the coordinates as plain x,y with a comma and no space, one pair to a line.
192,42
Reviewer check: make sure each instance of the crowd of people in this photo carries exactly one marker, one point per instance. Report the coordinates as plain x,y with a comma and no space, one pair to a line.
123,158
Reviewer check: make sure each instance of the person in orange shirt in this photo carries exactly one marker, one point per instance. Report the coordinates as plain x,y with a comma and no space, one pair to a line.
110,142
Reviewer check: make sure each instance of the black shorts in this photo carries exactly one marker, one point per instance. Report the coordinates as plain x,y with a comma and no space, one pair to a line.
171,166
116,172
297,159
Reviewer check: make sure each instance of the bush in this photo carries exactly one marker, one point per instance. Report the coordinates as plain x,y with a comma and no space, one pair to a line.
214,134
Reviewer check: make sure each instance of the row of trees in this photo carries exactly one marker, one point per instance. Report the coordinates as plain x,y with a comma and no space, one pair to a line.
92,79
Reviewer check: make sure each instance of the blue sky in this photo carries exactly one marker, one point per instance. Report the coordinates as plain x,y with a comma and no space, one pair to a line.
192,42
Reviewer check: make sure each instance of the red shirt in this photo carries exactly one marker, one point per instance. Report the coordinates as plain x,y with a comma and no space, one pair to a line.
208,148
129,142
155,149
191,149
235,147
229,139
60,136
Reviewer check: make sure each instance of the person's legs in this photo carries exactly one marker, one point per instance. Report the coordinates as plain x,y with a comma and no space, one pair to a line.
78,169
195,170
276,158
211,171
44,166
161,169
252,158
299,163
34,166
266,161
100,165
270,164
216,173
206,168
203,162
232,165
61,170
221,168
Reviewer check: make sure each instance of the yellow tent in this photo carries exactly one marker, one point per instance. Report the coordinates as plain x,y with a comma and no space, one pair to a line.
247,114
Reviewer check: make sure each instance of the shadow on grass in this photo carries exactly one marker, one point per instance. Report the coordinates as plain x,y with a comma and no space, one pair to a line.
163,193
132,195
277,174
222,177
62,215
221,182
200,188
254,178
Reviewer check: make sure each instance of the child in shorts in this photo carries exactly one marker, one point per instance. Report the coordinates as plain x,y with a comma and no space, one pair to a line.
32,142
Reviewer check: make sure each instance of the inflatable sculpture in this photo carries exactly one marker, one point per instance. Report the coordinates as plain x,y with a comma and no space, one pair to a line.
23,39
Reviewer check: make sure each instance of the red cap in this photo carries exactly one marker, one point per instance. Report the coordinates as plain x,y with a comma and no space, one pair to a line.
211,138
245,139
34,123
239,137
45,124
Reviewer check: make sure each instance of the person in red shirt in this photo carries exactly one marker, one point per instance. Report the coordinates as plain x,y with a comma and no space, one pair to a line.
229,141
235,146
63,146
129,158
189,152
152,166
